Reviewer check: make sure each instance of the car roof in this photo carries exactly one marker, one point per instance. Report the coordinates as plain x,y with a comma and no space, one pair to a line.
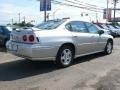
69,20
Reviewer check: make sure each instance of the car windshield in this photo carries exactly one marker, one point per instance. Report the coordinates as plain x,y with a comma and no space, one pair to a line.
51,24
111,27
115,27
99,26
104,26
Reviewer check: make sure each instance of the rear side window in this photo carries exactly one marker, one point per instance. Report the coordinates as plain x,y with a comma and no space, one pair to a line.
51,24
76,26
91,28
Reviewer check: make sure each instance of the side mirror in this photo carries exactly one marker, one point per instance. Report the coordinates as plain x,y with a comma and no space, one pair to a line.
100,32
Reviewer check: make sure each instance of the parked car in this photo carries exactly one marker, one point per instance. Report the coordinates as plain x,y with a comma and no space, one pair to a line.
59,40
4,34
118,29
106,31
112,31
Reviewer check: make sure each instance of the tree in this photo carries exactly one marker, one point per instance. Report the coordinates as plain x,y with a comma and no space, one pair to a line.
29,24
23,24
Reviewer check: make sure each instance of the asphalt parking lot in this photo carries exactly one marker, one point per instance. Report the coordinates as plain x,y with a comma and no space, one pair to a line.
93,72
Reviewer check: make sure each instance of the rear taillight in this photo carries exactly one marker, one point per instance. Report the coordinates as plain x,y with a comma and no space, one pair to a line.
31,38
25,38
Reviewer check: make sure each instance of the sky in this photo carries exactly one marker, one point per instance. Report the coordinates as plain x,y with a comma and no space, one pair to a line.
30,9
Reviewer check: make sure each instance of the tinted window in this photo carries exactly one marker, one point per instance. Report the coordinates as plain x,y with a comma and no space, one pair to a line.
68,26
100,26
76,26
51,24
115,27
91,28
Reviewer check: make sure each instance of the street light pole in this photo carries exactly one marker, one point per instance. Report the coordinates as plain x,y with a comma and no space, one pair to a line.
12,21
19,17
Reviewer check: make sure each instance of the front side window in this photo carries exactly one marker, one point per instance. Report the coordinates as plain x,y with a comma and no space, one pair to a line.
51,24
91,28
76,26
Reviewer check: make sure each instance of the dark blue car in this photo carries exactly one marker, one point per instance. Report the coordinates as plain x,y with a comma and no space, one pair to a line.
4,34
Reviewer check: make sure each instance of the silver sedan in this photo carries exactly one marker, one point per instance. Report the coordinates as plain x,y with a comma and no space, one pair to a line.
60,40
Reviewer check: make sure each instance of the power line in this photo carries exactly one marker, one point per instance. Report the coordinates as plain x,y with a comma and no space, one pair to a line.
83,5
88,4
101,1
76,6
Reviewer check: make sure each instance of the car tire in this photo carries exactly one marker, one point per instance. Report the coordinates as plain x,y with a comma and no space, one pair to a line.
109,47
64,57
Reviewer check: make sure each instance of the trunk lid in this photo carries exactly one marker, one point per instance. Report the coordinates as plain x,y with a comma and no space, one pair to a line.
17,36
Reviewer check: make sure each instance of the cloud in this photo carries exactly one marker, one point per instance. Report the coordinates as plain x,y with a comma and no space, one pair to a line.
6,8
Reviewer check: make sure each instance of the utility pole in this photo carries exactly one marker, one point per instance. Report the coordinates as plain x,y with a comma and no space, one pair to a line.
48,14
90,19
24,19
115,2
96,18
107,11
45,12
19,17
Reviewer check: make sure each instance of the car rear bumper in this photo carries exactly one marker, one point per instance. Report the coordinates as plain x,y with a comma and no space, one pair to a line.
32,51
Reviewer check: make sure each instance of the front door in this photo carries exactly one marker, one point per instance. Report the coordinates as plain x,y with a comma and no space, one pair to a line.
96,38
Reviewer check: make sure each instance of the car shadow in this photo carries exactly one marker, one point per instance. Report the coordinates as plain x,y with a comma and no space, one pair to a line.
19,69
88,58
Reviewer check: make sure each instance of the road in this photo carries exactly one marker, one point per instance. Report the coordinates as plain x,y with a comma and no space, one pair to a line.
93,72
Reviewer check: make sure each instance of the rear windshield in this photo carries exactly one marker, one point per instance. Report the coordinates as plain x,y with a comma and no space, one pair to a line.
9,28
51,24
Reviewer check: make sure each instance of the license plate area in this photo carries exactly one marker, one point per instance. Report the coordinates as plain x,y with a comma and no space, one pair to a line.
15,38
